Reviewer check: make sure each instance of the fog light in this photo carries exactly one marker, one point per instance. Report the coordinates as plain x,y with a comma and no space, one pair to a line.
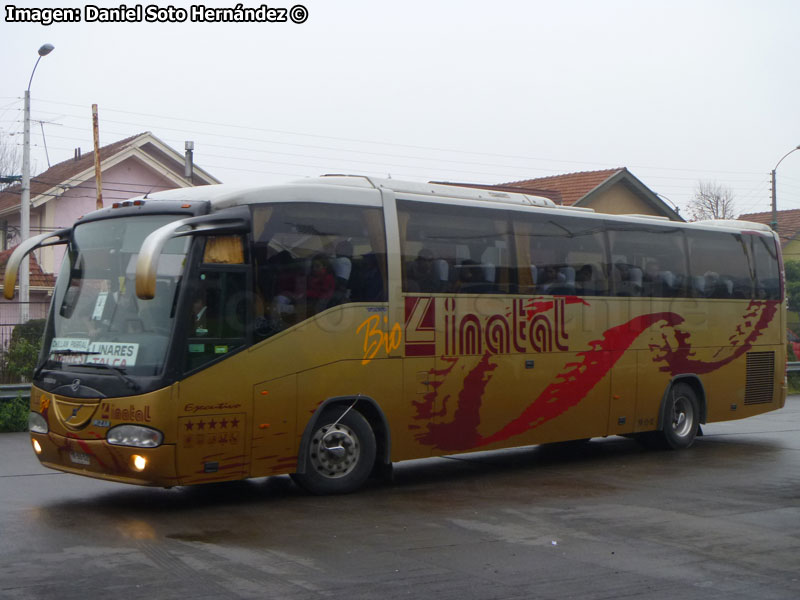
37,447
139,462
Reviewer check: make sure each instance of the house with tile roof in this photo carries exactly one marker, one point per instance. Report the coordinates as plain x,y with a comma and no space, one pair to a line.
130,167
612,191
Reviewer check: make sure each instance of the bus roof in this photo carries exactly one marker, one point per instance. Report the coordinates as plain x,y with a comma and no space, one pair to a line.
224,195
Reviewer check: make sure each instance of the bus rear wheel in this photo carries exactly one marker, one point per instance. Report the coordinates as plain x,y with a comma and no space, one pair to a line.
680,421
681,417
340,453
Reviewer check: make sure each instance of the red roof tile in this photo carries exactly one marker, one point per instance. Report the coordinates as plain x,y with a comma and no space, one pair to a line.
38,278
571,187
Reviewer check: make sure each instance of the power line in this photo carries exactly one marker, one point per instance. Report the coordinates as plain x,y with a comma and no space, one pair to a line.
375,142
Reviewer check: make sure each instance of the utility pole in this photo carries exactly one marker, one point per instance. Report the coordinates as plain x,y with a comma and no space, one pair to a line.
25,195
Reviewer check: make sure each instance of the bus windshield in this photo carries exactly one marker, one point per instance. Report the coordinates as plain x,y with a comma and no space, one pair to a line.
96,318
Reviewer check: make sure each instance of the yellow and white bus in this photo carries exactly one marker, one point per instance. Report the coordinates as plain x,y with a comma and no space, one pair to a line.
330,327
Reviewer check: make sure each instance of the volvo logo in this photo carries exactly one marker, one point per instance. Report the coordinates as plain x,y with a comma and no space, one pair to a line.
75,412
76,384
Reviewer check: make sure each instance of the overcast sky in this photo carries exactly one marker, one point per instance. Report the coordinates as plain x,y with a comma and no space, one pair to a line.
490,92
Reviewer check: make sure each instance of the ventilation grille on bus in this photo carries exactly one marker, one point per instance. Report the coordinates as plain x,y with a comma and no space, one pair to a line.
760,377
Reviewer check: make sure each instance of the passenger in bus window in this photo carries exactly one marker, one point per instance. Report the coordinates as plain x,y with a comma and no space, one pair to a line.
342,266
716,286
368,285
651,282
471,279
321,284
422,276
550,278
286,277
651,271
584,280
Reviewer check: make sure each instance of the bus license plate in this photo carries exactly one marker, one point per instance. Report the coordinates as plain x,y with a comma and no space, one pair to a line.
79,458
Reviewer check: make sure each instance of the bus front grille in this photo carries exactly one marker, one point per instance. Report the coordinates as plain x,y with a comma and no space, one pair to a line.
760,377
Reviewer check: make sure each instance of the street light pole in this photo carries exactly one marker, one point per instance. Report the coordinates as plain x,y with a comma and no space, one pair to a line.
774,223
25,196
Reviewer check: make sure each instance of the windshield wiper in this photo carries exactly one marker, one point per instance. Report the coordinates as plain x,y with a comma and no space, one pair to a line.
116,370
65,352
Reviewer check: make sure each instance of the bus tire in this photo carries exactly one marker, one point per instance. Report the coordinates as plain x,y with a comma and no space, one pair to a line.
681,417
340,455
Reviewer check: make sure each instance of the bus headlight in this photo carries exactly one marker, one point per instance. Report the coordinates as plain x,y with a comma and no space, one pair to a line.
37,423
134,435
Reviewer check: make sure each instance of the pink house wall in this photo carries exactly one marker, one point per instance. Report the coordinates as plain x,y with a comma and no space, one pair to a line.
124,180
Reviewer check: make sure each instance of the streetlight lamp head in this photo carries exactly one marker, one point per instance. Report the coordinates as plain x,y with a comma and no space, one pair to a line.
46,49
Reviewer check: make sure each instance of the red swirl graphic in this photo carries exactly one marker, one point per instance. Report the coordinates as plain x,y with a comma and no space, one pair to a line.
573,384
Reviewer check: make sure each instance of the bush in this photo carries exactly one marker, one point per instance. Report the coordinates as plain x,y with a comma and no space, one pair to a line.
32,331
23,350
14,415
793,378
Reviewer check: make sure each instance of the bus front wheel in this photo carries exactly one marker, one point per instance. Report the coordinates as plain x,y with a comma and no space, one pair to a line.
340,453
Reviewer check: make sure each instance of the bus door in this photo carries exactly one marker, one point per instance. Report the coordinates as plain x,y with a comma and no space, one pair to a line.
215,397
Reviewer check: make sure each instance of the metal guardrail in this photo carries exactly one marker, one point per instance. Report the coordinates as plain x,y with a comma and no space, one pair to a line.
793,367
11,391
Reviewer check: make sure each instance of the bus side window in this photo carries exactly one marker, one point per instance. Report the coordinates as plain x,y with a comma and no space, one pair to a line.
712,277
454,249
649,261
767,272
560,255
313,257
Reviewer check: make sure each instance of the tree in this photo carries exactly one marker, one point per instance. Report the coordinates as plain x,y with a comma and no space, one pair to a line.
792,270
711,201
9,163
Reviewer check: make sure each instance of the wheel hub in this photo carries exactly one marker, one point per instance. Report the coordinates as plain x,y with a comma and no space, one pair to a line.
682,416
335,450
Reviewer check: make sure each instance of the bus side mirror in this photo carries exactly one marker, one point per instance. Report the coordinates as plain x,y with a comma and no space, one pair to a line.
229,222
26,247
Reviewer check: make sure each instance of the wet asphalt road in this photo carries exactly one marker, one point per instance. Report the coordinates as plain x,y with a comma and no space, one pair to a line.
610,520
